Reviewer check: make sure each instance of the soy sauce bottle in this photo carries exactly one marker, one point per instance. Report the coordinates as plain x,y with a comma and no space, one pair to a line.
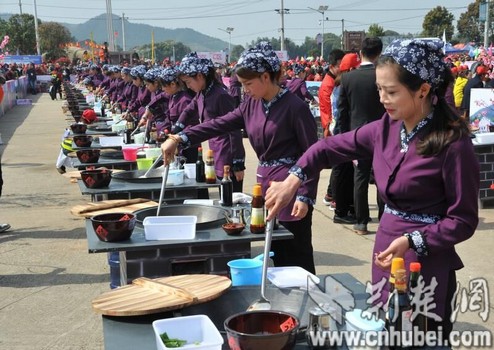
400,311
209,168
257,218
200,167
226,188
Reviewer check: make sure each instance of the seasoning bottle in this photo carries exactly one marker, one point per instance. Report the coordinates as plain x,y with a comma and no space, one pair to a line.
257,221
419,321
209,168
226,188
129,128
400,310
396,264
200,167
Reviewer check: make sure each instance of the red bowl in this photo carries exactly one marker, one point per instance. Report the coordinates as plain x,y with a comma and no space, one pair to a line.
96,178
113,227
83,140
273,330
88,155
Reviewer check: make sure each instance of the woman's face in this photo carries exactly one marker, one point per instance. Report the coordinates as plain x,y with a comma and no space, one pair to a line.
397,99
137,81
256,88
171,88
196,84
152,86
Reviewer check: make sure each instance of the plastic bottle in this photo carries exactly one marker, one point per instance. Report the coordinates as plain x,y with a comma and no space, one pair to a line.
257,219
226,188
209,168
420,320
400,312
200,167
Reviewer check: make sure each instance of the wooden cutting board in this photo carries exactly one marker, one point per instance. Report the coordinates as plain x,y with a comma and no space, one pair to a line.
112,206
147,296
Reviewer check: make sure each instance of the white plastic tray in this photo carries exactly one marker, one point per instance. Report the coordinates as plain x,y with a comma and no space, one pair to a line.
290,276
198,330
170,227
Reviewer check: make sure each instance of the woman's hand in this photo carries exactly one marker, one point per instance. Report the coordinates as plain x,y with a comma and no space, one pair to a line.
300,209
239,175
279,194
396,249
169,149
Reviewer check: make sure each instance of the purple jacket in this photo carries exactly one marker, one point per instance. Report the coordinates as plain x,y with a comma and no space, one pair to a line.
176,105
140,103
159,108
129,93
228,147
286,132
446,185
298,87
105,83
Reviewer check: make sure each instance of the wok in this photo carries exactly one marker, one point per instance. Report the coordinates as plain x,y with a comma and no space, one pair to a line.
154,175
207,216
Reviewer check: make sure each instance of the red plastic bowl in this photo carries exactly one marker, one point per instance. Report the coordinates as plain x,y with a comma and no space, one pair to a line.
273,330
96,178
113,227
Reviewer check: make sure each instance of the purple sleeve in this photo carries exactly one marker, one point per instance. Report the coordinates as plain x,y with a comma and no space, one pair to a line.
189,115
461,178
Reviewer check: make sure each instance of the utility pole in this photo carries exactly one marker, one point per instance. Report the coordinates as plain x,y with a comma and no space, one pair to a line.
486,25
123,31
229,30
38,49
282,12
321,10
109,26
20,7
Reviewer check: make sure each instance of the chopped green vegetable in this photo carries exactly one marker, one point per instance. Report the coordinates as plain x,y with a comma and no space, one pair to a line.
172,342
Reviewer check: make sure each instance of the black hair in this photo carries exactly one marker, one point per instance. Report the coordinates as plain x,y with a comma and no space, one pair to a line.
371,47
446,125
335,56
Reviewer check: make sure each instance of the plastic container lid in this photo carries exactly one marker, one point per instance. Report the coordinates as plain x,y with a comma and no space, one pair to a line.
415,267
363,321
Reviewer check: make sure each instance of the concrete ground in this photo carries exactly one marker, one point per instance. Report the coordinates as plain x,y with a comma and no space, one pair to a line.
48,278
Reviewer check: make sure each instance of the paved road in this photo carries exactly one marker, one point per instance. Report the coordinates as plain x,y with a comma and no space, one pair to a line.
48,279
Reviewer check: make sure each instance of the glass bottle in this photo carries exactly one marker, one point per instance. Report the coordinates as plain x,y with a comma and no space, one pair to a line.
419,320
257,219
400,312
209,168
200,167
226,188
129,129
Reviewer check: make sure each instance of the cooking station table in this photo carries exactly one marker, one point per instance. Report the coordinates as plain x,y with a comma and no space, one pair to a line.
150,190
111,163
136,332
208,252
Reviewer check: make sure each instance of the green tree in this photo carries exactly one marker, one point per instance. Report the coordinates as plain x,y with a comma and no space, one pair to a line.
164,49
436,21
236,52
375,30
20,29
469,27
51,36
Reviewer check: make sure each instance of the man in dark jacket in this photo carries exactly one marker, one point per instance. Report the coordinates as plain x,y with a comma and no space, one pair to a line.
3,227
359,104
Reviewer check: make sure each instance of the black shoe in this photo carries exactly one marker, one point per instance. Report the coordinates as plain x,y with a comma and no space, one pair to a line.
62,170
4,227
349,220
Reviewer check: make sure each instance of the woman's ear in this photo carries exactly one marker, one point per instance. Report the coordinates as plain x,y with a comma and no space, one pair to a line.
424,90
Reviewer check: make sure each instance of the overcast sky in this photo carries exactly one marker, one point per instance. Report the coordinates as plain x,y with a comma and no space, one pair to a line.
249,18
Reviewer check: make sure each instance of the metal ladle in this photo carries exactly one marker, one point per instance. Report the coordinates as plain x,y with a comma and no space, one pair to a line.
263,303
151,167
163,187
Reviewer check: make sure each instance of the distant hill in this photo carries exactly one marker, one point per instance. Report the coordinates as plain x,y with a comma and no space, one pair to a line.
137,34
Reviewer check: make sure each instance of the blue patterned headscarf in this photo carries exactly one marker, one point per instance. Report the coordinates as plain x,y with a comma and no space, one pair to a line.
169,74
423,58
191,65
138,71
260,58
125,70
153,74
298,68
114,69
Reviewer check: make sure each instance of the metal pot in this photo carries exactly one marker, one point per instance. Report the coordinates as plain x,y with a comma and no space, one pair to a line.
207,216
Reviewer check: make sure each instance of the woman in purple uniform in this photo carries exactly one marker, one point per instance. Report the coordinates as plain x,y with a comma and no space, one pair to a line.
211,101
280,128
137,107
425,169
179,98
129,92
297,84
